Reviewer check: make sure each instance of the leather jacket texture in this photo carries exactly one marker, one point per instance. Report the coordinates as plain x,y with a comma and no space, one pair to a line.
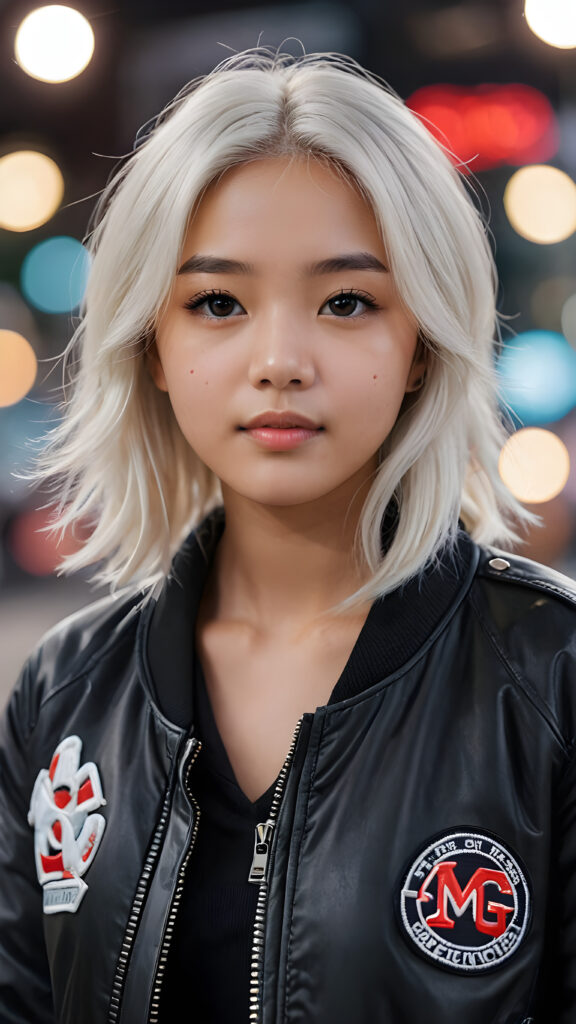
419,863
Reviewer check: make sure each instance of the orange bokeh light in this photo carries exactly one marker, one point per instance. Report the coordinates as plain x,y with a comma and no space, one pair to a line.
18,367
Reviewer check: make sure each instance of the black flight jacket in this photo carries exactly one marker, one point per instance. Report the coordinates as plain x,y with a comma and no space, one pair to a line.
419,862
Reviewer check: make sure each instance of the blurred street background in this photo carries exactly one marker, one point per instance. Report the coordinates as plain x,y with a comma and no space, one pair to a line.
495,80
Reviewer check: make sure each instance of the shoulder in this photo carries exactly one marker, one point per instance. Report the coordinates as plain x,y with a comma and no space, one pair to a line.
528,614
519,573
85,638
110,635
516,589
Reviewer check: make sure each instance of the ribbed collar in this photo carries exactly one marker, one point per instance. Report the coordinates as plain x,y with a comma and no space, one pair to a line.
396,628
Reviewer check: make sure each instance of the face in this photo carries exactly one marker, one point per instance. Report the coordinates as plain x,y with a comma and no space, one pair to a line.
284,347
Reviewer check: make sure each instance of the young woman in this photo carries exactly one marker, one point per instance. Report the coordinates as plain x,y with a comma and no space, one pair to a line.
312,761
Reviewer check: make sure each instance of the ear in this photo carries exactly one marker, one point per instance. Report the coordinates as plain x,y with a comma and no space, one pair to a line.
155,368
417,374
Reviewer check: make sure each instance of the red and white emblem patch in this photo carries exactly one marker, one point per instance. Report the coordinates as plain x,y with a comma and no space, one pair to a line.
66,832
465,902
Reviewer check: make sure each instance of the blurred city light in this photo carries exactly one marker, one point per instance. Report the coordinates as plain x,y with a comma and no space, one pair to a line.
16,315
540,203
31,190
23,430
489,125
54,43
455,30
39,553
553,21
54,274
569,320
18,367
537,373
548,541
534,464
547,300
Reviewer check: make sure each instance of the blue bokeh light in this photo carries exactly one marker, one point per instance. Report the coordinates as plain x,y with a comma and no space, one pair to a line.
54,274
23,430
537,372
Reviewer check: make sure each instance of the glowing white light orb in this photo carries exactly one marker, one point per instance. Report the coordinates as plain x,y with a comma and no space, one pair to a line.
54,43
553,21
31,190
534,464
540,203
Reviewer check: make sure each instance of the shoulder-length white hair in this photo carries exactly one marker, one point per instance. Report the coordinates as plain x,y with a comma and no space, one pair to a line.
119,456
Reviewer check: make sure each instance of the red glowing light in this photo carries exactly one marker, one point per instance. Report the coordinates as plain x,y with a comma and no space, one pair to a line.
489,125
40,553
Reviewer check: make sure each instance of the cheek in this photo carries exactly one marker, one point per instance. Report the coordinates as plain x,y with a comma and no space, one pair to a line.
200,394
371,398
187,376
379,383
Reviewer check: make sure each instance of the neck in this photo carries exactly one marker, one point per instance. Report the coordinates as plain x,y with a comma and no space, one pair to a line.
282,568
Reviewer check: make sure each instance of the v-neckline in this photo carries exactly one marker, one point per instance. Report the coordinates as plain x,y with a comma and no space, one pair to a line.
219,761
218,755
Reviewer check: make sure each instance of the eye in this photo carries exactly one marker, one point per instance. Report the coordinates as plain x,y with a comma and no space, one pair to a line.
215,305
349,304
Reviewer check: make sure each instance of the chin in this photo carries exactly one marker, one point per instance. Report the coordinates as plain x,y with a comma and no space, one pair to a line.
281,496
274,499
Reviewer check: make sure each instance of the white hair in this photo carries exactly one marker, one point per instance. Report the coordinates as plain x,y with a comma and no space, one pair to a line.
119,457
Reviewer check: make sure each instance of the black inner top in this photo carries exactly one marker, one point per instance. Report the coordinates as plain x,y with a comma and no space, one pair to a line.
209,963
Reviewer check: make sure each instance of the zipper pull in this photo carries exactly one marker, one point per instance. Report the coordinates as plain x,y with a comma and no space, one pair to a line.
262,841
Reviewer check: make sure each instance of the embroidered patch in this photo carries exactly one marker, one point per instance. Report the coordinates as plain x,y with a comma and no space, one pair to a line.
465,902
66,833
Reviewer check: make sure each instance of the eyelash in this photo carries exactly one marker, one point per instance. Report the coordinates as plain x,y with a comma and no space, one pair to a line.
203,297
200,300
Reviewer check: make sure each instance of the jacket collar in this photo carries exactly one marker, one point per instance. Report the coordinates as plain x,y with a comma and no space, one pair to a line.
398,627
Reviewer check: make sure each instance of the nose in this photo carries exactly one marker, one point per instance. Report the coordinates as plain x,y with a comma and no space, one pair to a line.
280,353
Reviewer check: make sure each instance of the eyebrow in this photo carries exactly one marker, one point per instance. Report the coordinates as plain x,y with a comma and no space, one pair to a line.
204,264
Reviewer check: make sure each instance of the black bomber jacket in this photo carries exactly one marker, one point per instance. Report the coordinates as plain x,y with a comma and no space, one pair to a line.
419,863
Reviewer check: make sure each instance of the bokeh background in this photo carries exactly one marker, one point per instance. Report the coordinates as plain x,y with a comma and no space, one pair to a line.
495,81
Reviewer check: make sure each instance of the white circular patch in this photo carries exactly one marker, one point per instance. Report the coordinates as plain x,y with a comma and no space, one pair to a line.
465,902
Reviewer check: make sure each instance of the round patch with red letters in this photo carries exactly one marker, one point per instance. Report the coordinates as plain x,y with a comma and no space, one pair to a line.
465,902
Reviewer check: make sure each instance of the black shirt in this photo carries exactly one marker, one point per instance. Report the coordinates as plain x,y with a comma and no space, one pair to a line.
209,964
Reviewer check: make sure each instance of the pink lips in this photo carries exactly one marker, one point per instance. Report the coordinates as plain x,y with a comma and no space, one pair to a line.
281,431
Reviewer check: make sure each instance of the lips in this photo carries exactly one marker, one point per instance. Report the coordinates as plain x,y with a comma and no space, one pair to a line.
281,421
281,431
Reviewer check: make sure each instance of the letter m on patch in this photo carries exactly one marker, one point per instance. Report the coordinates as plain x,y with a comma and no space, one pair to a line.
473,894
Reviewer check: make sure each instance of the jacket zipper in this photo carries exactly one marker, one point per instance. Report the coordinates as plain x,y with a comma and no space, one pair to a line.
259,875
139,899
142,890
177,896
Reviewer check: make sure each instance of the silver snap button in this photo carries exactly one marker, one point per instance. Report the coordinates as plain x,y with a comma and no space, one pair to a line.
499,564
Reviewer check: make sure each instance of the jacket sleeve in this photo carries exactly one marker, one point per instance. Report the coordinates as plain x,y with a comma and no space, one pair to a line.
556,988
25,991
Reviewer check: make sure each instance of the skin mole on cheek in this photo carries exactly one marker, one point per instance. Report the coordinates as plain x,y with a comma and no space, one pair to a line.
374,376
191,371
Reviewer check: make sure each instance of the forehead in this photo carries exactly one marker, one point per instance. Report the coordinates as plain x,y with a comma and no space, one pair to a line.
283,202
